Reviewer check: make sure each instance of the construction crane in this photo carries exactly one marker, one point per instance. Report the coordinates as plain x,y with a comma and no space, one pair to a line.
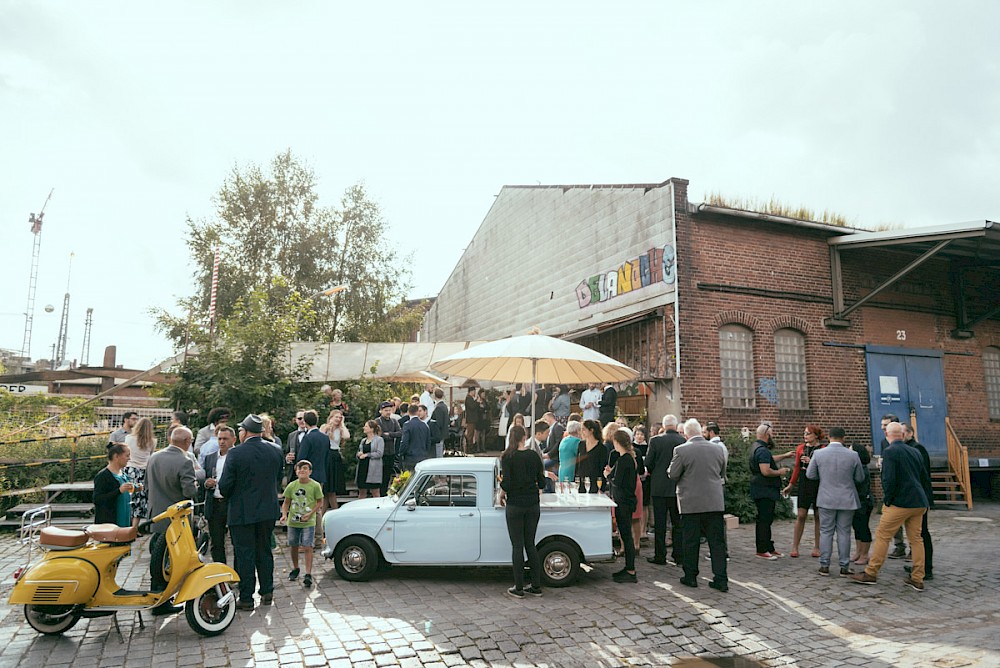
29,313
85,355
60,356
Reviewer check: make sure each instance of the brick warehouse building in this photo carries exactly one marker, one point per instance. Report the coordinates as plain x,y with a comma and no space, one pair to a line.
780,319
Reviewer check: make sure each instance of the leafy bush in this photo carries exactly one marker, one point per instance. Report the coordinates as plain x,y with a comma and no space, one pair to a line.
738,501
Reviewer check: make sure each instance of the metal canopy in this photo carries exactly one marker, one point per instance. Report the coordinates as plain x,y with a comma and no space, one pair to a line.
974,245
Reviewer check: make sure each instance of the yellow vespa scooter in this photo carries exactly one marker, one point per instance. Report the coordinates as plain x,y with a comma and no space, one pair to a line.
76,576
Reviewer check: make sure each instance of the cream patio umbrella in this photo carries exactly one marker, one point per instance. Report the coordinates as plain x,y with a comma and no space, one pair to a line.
534,358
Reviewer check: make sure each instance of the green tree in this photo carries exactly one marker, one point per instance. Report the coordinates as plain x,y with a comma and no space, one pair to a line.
246,365
268,224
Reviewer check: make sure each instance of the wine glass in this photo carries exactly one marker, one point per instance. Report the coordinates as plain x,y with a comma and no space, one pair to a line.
586,484
600,483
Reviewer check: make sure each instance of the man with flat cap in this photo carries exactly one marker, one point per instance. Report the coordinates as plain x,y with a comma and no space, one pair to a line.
249,480
391,433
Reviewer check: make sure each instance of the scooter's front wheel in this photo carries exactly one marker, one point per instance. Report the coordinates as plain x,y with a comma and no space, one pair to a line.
204,614
52,620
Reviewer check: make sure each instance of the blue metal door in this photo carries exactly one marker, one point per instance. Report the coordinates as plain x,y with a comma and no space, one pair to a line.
901,380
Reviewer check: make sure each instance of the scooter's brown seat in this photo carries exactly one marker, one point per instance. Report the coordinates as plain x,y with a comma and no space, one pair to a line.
112,533
55,538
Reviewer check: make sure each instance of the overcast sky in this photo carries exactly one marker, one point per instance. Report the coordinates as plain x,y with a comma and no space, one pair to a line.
135,112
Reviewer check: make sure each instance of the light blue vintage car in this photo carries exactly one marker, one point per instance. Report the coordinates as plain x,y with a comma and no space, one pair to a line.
449,514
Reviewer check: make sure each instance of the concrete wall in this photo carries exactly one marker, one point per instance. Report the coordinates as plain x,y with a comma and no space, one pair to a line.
542,257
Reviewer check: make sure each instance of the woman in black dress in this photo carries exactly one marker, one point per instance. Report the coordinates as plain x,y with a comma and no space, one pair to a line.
521,479
623,479
591,458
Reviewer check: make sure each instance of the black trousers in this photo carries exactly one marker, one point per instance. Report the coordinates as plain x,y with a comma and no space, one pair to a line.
522,524
388,471
765,518
663,507
928,546
861,522
254,559
157,553
623,516
713,526
217,529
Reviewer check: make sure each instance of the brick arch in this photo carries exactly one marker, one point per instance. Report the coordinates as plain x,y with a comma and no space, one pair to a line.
789,322
736,318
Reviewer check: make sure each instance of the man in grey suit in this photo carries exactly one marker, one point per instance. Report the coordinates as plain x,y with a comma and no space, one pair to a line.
838,470
699,469
170,479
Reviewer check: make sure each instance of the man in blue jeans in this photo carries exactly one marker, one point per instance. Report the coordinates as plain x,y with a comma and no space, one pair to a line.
839,471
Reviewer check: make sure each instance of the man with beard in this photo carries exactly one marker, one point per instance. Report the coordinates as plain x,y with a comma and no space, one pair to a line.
765,489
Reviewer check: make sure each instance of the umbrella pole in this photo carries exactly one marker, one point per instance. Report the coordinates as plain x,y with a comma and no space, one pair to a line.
534,390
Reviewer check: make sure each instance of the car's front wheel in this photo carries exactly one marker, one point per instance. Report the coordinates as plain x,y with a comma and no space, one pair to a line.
356,558
560,563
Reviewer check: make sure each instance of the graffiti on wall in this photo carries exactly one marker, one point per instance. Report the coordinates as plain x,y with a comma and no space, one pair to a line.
658,265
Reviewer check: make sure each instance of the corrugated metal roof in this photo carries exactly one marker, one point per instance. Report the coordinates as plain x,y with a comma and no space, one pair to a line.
977,240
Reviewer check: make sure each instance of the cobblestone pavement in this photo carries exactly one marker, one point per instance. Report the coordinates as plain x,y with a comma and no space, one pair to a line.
778,613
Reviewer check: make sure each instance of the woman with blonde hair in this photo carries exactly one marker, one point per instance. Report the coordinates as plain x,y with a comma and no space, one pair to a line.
268,434
339,435
141,443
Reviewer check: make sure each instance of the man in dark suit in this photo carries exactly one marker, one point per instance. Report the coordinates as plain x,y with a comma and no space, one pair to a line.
609,399
439,423
391,433
415,444
910,438
550,453
291,446
216,505
249,479
698,468
664,493
556,432
170,479
315,448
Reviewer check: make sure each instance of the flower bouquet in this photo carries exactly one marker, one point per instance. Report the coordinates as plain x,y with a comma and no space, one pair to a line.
398,483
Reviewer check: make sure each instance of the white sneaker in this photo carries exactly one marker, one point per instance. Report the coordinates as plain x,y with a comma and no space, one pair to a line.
767,555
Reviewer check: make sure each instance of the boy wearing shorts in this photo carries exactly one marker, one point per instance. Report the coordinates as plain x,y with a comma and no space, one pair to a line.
303,497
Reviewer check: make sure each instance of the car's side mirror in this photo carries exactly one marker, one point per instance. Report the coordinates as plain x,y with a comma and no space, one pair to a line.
410,504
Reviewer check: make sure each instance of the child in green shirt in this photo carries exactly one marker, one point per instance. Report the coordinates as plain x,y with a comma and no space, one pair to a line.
302,499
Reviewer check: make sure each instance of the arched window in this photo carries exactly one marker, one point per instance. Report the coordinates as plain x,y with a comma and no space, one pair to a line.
736,362
790,366
991,365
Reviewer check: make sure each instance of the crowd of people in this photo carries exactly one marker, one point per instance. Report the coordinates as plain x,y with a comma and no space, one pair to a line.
674,479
